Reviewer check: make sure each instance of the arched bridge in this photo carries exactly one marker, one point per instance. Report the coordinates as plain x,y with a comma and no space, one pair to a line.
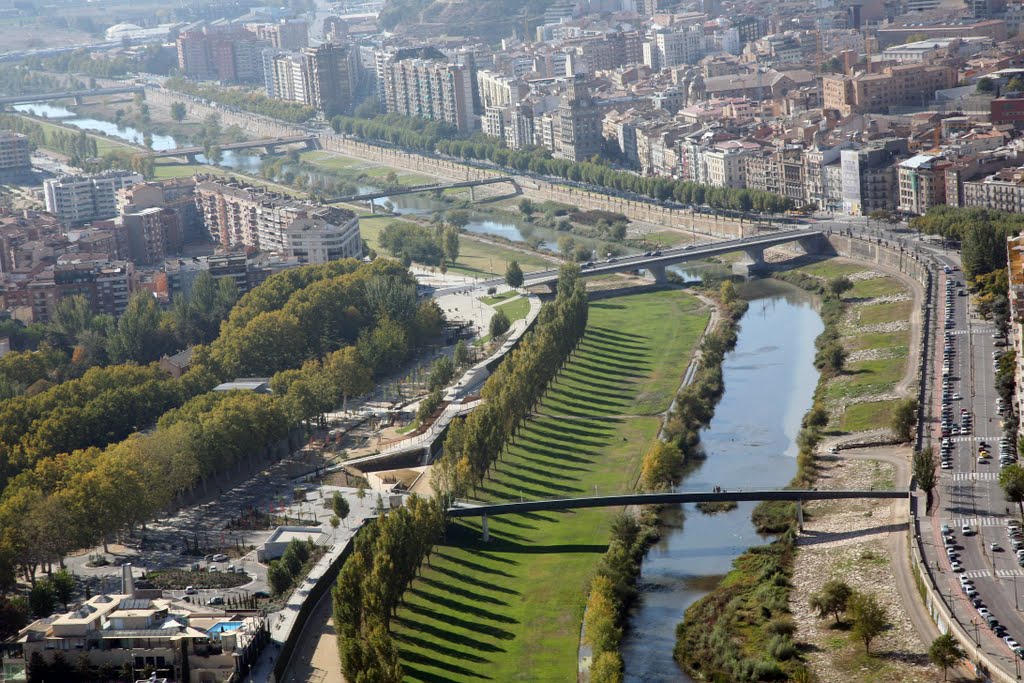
77,95
269,145
433,187
484,510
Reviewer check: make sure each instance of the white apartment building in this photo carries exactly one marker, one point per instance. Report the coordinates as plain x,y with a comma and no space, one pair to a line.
671,47
725,168
81,198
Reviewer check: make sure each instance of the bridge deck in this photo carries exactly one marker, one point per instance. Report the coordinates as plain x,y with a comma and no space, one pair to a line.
478,510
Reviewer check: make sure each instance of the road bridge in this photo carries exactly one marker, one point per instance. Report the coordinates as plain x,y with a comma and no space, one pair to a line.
811,240
485,510
77,95
432,187
269,145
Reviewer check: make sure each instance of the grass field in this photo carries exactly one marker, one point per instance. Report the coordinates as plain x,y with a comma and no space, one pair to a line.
356,167
832,268
867,377
875,287
876,340
516,310
865,416
103,144
877,314
497,299
510,610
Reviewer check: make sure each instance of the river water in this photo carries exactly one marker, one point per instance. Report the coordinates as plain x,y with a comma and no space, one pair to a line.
240,161
750,443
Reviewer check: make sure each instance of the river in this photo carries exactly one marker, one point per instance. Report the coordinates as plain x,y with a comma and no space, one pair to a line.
239,161
750,443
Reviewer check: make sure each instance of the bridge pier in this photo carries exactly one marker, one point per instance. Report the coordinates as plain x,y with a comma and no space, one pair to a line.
487,532
815,244
472,193
373,207
270,149
658,273
799,514
190,158
79,100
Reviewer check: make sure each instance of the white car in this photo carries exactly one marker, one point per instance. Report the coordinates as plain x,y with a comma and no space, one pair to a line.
966,530
956,566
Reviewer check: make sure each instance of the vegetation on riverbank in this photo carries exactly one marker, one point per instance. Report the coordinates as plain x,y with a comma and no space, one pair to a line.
512,607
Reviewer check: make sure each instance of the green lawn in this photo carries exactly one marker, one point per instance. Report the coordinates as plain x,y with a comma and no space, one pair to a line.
876,340
667,238
103,143
867,377
355,167
498,298
877,314
861,417
831,268
516,310
875,287
510,610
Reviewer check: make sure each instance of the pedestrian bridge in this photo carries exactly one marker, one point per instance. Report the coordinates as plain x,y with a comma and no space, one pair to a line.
466,508
76,95
431,187
269,145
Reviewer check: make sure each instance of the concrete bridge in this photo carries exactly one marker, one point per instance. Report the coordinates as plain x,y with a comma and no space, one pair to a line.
811,240
484,510
434,187
77,95
269,145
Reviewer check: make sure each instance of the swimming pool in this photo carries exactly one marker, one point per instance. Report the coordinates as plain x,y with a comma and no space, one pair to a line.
224,626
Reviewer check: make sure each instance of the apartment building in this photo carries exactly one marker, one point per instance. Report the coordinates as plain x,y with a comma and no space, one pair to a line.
1003,190
286,34
150,235
669,47
82,198
223,52
106,285
15,156
922,183
895,86
499,90
428,86
238,215
579,123
869,176
330,77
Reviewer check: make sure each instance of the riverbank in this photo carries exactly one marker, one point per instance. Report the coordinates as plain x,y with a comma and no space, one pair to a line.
511,609
752,634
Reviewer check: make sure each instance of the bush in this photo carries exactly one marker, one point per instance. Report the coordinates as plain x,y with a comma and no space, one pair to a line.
499,324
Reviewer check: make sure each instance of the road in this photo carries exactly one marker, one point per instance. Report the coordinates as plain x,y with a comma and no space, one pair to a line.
969,492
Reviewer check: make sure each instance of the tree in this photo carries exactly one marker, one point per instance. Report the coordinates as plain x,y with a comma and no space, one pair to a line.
514,275
339,505
442,372
278,577
178,111
1015,85
137,335
606,668
1011,480
945,652
869,618
923,467
499,324
600,631
450,244
839,285
831,358
41,600
462,354
985,85
832,599
458,217
660,465
334,522
903,418
727,291
527,207
63,585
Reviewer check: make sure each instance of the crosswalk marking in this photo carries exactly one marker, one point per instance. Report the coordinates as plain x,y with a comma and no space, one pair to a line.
976,521
976,574
975,476
965,439
1010,572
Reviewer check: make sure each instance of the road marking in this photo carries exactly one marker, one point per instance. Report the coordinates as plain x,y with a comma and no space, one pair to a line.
975,476
976,521
1010,572
976,574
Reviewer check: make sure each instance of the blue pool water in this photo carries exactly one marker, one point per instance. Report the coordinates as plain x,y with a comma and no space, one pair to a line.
224,626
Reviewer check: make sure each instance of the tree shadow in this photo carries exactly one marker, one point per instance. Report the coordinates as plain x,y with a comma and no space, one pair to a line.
472,626
561,461
461,607
454,559
592,399
433,645
418,658
459,576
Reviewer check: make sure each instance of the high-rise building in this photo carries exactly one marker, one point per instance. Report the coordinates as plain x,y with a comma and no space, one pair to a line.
81,198
430,87
176,194
150,235
331,72
240,215
668,47
579,123
15,156
287,34
221,51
